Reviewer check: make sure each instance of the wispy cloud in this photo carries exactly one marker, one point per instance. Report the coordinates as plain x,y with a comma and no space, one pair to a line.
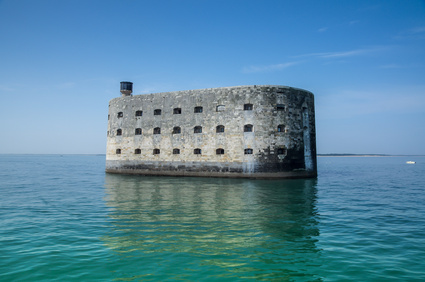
275,67
342,54
417,32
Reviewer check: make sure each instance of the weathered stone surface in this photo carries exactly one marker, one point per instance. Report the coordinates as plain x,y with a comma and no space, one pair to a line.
282,140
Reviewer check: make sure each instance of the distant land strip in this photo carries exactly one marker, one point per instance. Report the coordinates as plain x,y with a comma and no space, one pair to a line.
364,155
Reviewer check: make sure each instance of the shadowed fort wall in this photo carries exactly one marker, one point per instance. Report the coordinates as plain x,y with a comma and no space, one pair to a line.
269,132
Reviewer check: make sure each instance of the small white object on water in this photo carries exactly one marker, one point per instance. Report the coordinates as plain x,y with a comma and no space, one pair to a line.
410,162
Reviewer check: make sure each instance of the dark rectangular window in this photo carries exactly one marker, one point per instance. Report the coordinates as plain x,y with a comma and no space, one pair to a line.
247,107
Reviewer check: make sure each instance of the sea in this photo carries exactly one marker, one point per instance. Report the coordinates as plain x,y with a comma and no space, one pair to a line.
62,218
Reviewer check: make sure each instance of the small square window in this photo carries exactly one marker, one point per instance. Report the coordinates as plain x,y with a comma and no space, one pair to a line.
280,107
198,110
120,114
248,151
220,108
247,128
197,129
177,111
157,112
219,151
139,113
219,129
177,130
248,107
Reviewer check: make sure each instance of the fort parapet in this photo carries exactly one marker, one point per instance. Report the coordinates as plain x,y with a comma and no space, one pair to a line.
258,131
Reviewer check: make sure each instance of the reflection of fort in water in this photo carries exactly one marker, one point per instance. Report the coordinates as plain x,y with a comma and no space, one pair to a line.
205,216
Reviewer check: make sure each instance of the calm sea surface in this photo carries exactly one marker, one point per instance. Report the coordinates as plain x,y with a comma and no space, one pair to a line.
62,218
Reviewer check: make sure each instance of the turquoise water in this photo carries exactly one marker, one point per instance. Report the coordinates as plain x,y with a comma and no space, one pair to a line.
62,218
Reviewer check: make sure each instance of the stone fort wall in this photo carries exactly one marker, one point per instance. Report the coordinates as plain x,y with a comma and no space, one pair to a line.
255,131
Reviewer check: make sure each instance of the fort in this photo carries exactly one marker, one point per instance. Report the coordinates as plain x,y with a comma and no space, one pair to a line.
257,131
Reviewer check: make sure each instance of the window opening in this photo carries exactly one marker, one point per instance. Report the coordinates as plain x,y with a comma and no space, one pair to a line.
138,131
219,151
118,151
120,114
177,130
137,151
247,128
139,113
197,129
280,107
198,109
220,108
157,130
156,151
281,151
176,151
197,151
248,151
248,107
119,132
177,111
280,128
219,128
157,112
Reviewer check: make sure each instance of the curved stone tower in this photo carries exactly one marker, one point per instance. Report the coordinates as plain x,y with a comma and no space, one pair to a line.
259,131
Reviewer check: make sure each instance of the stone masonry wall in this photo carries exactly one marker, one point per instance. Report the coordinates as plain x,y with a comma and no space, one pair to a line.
282,139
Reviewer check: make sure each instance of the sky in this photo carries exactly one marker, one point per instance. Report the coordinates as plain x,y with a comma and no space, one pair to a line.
62,61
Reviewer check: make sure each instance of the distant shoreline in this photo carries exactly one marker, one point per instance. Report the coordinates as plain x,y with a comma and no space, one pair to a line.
366,155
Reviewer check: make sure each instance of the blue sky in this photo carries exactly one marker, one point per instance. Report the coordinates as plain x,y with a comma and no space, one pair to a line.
62,61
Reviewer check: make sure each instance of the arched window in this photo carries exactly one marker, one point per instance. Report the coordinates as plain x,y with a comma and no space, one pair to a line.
248,151
197,129
157,130
198,110
219,151
137,151
177,111
220,108
247,128
197,151
281,151
219,128
176,151
156,151
118,151
177,130
120,114
138,131
139,113
248,107
281,128
157,112
119,132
